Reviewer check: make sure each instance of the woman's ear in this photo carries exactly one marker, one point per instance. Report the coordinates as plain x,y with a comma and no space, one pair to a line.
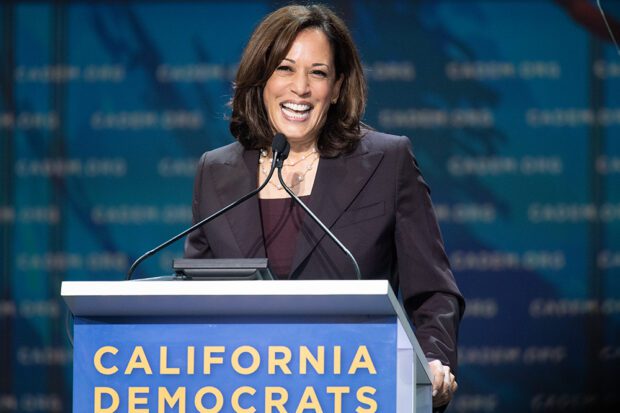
336,89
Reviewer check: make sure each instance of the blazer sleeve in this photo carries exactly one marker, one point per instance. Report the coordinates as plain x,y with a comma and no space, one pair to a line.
430,294
196,243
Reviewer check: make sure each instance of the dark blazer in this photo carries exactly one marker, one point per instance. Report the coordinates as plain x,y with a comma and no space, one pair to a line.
374,200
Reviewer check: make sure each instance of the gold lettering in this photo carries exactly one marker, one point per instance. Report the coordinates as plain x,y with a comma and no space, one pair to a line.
255,360
138,360
362,360
99,365
163,362
235,399
337,359
309,401
362,398
209,359
134,400
271,403
219,400
338,391
100,391
306,356
281,362
190,359
163,398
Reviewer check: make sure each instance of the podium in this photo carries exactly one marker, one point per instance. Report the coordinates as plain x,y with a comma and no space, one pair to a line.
244,346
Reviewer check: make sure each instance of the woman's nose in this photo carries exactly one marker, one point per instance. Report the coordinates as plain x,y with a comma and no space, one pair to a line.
300,84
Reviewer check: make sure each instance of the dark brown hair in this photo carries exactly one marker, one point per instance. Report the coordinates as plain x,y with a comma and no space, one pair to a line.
267,48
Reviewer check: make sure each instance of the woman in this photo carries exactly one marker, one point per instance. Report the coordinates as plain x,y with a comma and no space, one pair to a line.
301,75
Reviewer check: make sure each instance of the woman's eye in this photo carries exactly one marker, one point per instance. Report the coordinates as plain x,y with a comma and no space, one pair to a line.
320,73
284,68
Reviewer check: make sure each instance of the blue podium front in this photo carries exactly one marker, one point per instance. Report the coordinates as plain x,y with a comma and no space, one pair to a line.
253,347
235,364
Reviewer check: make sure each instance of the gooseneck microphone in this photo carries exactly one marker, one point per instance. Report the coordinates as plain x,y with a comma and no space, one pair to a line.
611,32
279,162
278,145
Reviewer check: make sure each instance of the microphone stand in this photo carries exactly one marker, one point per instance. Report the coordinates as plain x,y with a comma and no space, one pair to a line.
281,157
137,262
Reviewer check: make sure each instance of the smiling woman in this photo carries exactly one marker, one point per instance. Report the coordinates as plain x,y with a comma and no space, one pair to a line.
329,64
300,91
297,98
301,76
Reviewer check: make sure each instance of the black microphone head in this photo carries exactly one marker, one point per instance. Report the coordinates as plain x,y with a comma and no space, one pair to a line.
278,143
285,152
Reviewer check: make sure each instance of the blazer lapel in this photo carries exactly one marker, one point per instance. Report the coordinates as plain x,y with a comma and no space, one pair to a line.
337,183
233,179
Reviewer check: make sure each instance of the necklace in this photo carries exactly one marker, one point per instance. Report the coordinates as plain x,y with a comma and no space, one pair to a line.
264,153
300,177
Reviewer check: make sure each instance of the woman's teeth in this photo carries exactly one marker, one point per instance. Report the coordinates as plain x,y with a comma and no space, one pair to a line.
296,111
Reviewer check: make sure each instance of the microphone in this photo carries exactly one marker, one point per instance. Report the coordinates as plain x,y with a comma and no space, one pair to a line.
611,33
283,154
281,157
278,146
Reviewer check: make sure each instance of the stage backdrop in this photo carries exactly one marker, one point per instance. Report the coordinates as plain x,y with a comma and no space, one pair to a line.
513,108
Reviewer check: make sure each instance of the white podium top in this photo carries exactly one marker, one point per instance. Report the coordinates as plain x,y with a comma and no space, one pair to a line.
182,298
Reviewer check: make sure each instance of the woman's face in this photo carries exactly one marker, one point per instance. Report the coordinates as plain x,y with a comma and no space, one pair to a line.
299,92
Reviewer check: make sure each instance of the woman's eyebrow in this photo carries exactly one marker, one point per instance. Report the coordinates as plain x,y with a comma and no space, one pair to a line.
313,64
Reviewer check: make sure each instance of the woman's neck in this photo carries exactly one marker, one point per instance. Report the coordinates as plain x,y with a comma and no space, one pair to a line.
300,149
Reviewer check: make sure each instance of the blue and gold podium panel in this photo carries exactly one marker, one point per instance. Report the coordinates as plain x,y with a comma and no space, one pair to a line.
235,364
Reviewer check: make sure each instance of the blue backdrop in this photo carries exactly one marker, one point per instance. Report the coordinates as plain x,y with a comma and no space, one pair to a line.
513,108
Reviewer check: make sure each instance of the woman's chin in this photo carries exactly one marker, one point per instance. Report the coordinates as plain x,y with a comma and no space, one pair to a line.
295,135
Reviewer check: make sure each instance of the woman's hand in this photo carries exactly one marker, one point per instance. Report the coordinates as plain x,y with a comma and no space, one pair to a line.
444,383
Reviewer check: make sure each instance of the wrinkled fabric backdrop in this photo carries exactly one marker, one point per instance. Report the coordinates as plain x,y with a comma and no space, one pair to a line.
513,108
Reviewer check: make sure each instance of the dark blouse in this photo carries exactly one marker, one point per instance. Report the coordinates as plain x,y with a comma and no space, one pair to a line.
281,219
